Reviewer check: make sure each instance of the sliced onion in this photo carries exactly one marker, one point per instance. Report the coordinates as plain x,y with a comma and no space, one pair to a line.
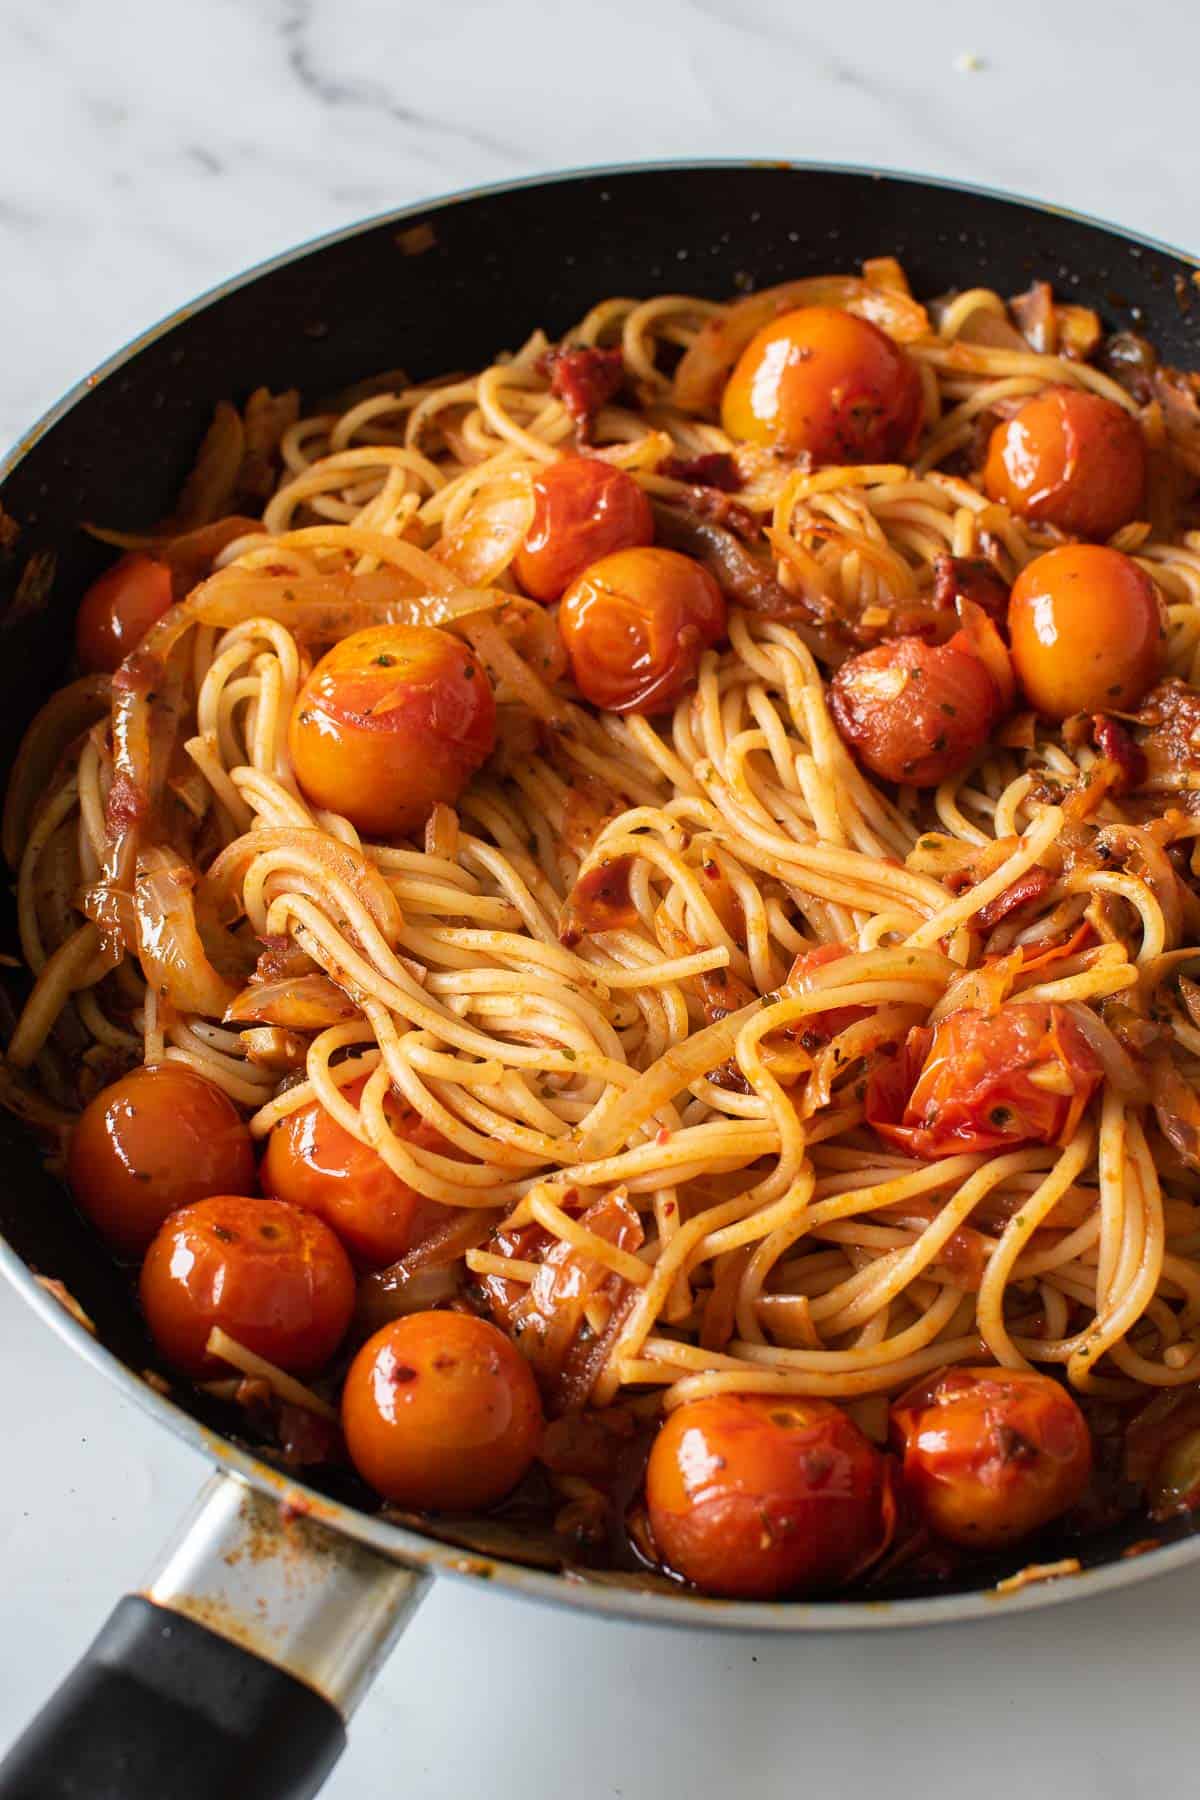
488,535
65,717
1119,1067
339,861
169,944
305,1003
326,607
707,362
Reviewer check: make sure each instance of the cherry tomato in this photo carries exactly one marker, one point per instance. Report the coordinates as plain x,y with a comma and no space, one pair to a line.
390,721
915,711
1087,629
991,1454
583,509
1070,459
118,610
441,1412
635,625
155,1140
824,382
818,1028
271,1275
753,1495
985,1081
313,1163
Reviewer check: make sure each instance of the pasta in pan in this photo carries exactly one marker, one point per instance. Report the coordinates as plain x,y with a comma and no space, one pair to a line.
680,849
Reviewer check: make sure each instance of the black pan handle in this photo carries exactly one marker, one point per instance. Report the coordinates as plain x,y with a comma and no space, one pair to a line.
234,1673
162,1706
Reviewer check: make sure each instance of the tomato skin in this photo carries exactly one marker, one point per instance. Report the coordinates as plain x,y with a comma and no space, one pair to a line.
1087,629
821,381
754,1495
635,625
914,711
824,1025
157,1139
118,610
271,1275
441,1412
313,1163
583,509
392,720
976,1082
989,1455
1071,459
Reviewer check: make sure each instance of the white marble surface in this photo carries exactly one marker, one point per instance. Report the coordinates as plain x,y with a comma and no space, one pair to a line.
150,147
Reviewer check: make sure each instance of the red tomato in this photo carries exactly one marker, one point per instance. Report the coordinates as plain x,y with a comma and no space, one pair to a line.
441,1412
118,610
753,1495
985,1081
915,711
1088,631
272,1276
818,1028
391,721
313,1163
155,1140
991,1454
1070,459
824,382
635,626
583,509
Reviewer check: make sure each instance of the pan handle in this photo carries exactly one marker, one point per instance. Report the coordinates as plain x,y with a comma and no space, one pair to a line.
232,1674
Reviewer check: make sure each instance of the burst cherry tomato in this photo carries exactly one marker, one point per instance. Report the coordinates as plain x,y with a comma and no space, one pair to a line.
635,625
1069,459
155,1140
118,610
313,1163
827,383
991,1454
818,1028
753,1495
1087,629
985,1081
915,711
441,1412
583,509
392,720
272,1276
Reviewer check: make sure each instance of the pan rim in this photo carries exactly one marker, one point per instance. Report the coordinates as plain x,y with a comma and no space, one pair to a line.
399,1543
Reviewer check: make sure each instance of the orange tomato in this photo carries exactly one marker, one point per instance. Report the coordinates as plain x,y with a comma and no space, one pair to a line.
312,1162
985,1081
583,509
635,625
441,1412
1087,629
913,711
1071,459
156,1140
118,610
753,1495
272,1276
392,720
824,382
991,1454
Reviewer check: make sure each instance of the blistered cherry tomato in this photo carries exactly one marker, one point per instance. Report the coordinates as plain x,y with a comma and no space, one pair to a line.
155,1140
392,720
1070,459
635,626
915,711
752,1495
272,1276
583,509
118,610
1087,629
986,1081
991,1454
441,1412
313,1163
824,382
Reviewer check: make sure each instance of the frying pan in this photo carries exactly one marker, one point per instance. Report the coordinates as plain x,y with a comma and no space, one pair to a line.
234,1671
